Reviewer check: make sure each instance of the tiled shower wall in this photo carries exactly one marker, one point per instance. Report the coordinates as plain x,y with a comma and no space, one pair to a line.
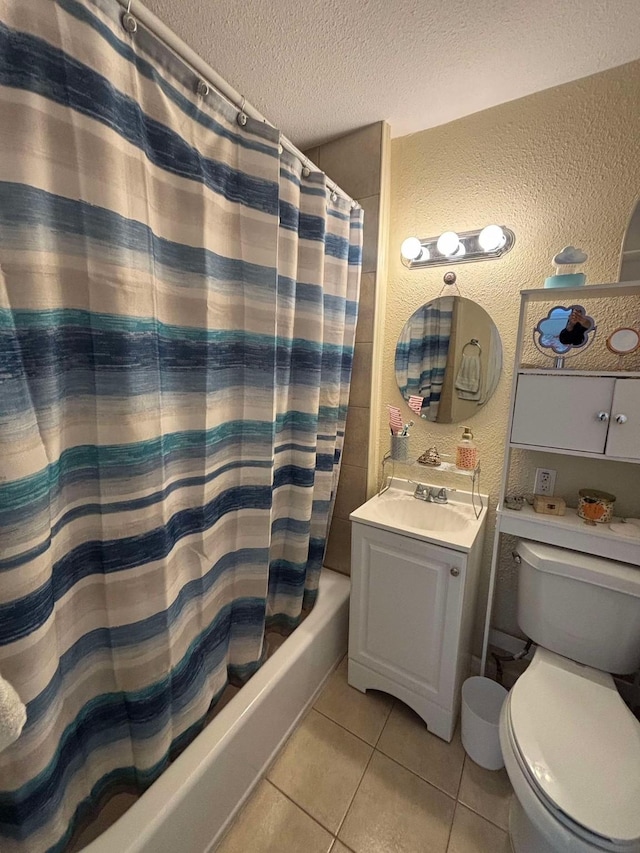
358,163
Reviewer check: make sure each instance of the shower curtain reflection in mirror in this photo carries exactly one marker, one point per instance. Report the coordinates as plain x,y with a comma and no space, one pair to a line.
450,353
421,354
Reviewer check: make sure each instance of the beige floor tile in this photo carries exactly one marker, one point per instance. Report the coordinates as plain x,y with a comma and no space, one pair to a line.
270,823
487,792
338,847
364,714
396,811
320,769
405,738
473,834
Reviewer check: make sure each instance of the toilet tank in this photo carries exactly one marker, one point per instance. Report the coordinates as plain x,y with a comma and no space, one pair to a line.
582,607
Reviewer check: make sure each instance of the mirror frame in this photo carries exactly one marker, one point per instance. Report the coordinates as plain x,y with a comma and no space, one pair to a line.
613,349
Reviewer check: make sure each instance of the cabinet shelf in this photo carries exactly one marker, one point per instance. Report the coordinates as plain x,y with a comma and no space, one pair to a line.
444,467
561,451
568,371
568,531
585,291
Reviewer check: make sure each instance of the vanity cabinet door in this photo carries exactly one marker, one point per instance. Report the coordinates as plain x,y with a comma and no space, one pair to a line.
406,603
624,428
562,411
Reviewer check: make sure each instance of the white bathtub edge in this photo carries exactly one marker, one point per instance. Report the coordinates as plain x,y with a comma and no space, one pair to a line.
189,807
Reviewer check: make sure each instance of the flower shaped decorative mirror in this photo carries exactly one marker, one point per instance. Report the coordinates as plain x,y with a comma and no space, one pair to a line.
565,331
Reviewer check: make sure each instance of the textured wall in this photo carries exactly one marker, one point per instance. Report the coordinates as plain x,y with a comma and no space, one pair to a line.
561,166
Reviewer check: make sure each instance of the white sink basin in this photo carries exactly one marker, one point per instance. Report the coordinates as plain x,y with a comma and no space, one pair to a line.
453,524
401,509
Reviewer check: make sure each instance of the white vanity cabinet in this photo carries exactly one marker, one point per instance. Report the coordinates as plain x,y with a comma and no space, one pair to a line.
594,414
412,610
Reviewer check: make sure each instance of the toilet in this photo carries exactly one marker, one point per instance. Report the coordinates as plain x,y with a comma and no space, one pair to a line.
571,746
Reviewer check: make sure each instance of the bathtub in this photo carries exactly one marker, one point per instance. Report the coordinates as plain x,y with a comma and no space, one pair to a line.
188,808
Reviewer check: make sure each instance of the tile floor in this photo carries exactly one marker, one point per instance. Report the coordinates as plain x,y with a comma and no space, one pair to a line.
361,774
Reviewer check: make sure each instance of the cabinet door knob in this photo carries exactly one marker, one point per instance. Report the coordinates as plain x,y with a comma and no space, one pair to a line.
621,419
455,572
603,416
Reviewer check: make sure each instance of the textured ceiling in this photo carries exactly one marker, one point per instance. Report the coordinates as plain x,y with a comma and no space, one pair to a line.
318,70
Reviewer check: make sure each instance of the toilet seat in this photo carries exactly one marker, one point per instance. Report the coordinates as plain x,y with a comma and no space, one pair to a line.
579,747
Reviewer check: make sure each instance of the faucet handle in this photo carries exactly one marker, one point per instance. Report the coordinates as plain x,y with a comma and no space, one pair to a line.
420,490
438,495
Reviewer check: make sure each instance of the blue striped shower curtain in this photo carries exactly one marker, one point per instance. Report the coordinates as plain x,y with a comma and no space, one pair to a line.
177,316
421,354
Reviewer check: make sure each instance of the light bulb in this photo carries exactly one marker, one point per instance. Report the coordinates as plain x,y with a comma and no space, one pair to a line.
411,249
460,252
448,243
492,238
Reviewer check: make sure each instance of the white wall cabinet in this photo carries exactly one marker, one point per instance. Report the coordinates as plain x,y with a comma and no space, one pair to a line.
412,608
623,438
593,414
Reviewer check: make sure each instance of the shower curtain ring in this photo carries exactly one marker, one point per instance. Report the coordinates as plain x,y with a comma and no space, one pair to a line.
128,21
242,118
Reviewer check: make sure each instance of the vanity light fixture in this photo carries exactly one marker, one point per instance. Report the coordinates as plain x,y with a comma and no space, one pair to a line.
412,250
492,241
448,244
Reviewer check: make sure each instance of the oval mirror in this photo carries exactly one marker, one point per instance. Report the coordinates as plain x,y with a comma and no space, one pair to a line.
623,341
449,353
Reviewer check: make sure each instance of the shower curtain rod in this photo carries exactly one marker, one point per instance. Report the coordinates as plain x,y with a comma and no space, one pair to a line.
140,12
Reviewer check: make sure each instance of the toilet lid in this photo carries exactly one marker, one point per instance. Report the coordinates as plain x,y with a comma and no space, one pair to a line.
581,744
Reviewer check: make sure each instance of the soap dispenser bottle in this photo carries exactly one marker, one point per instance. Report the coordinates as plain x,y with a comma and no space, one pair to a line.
467,452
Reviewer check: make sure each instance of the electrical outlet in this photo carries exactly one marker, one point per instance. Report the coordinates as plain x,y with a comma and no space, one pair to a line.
545,481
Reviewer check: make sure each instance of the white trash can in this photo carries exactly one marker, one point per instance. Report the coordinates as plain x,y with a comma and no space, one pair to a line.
482,701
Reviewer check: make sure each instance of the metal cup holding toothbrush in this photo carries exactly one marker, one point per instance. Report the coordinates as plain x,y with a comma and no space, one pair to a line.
400,448
400,444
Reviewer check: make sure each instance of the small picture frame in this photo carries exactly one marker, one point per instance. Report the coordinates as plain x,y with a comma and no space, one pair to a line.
623,341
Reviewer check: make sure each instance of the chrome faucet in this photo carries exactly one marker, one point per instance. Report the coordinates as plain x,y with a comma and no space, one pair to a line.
431,495
421,492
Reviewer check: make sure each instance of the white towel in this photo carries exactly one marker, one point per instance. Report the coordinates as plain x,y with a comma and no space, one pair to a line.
469,376
13,715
